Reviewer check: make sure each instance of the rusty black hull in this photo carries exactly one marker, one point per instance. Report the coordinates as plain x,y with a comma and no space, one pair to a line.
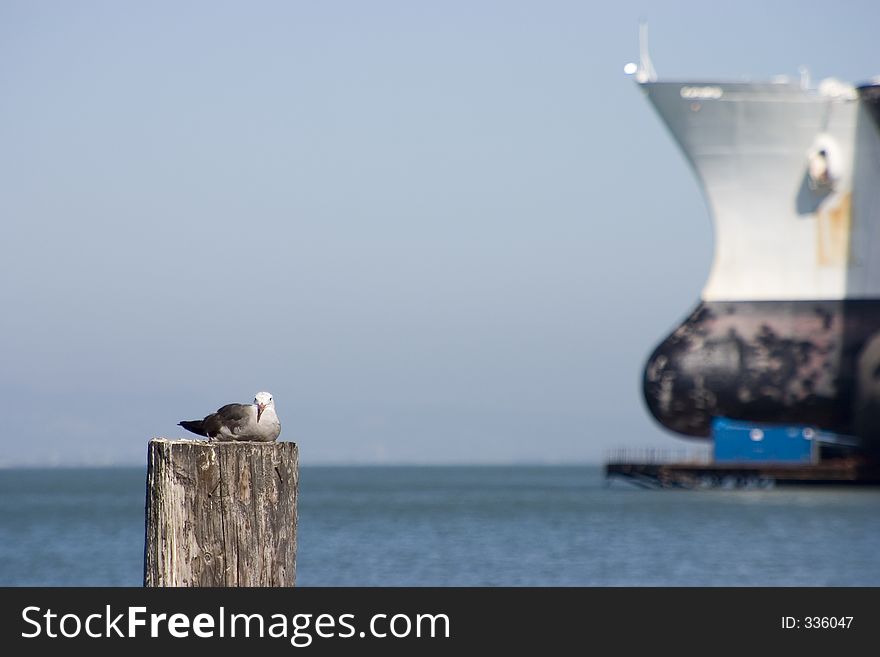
779,362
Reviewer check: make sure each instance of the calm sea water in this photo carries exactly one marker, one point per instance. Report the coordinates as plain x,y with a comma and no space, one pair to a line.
469,526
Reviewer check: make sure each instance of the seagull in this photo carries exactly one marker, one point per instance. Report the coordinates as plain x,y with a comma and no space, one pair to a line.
257,421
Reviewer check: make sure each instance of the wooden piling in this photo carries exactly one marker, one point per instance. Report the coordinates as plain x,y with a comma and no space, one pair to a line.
220,513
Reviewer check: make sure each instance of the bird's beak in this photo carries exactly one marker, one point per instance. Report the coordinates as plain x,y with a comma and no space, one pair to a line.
260,409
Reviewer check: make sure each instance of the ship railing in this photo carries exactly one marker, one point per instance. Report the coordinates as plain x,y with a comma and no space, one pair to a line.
659,455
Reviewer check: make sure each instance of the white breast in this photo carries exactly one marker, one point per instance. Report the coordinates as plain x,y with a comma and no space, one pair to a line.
269,426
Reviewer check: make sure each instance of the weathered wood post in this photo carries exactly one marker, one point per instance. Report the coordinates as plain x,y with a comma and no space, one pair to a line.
220,513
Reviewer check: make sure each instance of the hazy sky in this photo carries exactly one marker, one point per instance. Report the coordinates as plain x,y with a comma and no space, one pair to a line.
435,231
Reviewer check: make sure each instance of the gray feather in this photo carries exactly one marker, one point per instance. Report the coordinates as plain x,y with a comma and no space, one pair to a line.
234,417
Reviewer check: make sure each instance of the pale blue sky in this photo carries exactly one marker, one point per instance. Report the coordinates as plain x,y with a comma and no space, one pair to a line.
435,231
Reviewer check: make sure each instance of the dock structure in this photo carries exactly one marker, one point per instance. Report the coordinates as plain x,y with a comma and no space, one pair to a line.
844,471
221,513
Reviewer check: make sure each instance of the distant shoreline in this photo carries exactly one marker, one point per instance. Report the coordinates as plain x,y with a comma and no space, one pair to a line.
142,466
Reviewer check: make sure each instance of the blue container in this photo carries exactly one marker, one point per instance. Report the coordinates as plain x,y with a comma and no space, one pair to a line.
737,441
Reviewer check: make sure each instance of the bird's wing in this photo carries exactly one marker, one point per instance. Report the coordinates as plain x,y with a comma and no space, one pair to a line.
234,417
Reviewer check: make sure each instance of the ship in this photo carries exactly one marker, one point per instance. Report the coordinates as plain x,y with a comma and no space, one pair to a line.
786,332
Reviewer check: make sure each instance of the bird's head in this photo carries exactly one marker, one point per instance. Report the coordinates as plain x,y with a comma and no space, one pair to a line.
263,400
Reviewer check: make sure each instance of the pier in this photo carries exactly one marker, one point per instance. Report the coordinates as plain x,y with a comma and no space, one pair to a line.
694,474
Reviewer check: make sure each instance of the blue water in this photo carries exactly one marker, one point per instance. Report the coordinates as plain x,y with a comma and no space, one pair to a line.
469,526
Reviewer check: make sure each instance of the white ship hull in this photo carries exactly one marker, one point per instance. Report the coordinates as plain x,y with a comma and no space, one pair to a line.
778,235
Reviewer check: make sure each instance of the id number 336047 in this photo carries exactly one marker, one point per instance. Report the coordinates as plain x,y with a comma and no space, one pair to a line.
817,622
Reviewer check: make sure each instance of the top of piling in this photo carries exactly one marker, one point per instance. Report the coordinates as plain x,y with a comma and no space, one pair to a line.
194,441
